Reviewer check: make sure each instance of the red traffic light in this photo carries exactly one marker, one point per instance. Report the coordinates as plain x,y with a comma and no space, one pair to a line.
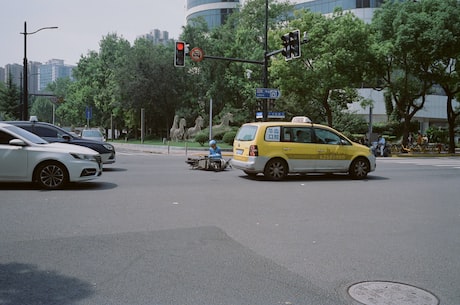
179,54
180,46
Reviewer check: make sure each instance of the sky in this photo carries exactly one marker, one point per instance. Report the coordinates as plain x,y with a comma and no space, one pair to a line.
82,24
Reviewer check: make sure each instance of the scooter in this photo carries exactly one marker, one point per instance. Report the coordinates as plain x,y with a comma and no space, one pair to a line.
206,163
377,152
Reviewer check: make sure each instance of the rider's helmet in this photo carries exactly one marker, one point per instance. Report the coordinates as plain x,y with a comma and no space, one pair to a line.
212,142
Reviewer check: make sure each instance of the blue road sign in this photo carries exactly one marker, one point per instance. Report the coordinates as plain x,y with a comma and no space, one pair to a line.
271,115
267,93
276,115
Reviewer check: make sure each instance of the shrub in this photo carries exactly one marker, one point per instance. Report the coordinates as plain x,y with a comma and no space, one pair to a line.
229,137
201,138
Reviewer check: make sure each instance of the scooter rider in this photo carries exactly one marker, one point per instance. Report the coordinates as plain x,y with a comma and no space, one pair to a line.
214,150
381,144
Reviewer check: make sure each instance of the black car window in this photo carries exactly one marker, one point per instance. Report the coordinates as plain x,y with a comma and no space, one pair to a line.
44,131
5,138
297,134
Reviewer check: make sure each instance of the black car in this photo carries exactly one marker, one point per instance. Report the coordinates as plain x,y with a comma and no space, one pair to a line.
52,133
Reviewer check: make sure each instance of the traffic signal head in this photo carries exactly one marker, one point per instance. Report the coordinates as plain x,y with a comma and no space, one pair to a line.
295,43
291,45
286,46
179,54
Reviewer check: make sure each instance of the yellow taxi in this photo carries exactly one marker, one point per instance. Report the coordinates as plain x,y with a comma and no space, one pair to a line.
277,149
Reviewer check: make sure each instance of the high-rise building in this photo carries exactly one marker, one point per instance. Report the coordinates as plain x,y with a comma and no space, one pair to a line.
2,75
15,72
51,71
33,75
363,9
157,37
214,12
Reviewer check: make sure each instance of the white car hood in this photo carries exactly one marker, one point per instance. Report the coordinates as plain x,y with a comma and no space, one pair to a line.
71,148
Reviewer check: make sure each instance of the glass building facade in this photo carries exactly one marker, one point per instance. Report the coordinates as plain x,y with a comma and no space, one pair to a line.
328,6
214,12
51,71
363,9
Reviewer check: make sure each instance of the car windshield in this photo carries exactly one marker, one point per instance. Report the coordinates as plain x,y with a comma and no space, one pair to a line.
26,134
91,133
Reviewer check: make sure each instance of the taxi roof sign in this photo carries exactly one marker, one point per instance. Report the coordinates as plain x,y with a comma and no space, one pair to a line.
300,119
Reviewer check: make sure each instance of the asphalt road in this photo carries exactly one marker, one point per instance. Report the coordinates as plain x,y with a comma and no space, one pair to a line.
152,231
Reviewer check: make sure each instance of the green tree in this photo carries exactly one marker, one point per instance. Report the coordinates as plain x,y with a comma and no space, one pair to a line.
333,63
242,38
9,101
81,92
148,80
113,53
439,52
42,108
401,49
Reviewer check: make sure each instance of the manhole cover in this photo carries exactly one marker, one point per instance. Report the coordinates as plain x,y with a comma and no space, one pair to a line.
390,293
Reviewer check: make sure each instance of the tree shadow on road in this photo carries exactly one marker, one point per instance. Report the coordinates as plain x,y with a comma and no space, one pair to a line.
27,285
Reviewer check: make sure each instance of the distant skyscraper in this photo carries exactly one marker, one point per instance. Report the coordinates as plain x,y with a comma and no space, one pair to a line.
157,37
15,72
2,75
51,71
33,76
214,12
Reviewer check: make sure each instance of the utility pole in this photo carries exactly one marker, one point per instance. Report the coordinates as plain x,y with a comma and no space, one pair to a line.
266,57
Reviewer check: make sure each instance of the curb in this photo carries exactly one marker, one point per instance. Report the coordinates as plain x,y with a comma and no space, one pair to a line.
165,149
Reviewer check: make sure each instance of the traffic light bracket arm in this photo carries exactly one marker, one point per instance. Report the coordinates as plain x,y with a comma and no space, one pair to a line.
257,62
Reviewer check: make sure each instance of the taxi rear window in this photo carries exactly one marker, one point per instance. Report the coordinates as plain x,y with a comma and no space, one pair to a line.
246,133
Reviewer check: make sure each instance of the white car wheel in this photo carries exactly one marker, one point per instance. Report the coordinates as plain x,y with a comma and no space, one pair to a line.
51,175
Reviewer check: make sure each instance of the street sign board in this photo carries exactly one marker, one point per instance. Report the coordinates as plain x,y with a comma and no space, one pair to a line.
271,115
267,93
276,115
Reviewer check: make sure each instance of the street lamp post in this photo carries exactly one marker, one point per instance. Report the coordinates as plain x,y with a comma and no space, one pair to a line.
25,94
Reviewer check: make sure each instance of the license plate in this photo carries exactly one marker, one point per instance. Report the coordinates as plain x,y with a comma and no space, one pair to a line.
239,152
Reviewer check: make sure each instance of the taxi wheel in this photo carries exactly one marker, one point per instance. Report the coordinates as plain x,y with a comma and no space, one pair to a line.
276,169
51,175
359,168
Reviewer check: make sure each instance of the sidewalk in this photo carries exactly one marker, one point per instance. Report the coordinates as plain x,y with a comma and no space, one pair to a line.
193,151
165,149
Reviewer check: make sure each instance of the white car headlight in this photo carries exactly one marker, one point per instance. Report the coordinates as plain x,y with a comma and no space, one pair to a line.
84,157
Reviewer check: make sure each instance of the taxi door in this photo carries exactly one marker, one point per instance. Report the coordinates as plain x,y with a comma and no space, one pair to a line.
333,154
299,148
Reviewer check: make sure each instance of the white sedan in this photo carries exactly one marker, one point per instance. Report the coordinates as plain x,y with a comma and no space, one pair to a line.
25,157
92,134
